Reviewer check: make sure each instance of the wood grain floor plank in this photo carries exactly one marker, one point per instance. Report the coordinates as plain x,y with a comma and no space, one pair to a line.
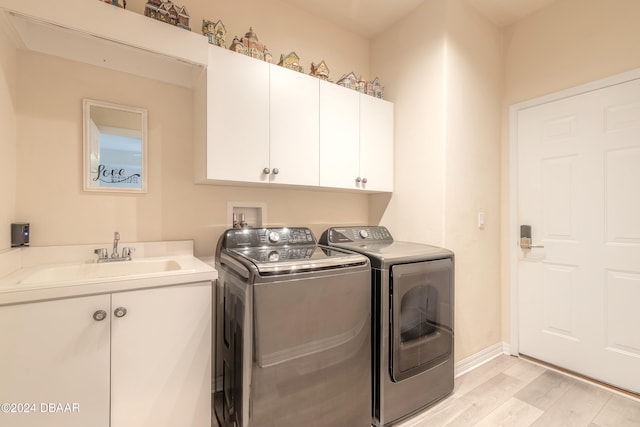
619,412
513,413
486,398
575,408
545,390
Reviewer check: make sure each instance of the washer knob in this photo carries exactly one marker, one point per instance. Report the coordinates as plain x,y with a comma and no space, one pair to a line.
363,233
274,237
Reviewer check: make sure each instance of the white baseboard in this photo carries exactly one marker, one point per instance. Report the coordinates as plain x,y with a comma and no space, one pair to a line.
481,357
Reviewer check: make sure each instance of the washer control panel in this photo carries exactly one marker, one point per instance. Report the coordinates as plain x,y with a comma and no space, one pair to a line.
357,234
261,237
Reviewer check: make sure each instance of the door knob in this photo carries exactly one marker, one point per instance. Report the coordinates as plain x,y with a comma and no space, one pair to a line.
99,315
525,238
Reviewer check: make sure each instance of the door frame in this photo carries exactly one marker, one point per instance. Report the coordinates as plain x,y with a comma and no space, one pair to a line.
514,226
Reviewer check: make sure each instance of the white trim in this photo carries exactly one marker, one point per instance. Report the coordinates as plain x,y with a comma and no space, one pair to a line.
513,181
480,358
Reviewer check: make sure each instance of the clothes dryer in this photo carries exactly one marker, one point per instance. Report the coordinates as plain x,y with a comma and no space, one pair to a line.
412,326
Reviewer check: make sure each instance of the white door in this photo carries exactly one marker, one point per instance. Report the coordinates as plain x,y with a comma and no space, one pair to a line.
237,117
579,189
161,357
376,144
339,136
294,126
54,363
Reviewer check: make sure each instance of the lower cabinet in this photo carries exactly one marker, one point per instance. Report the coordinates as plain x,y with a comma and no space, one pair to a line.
131,359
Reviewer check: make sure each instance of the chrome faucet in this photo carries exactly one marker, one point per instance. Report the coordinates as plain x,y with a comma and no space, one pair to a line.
103,255
116,238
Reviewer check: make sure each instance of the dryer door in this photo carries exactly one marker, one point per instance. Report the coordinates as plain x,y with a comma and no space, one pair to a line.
421,316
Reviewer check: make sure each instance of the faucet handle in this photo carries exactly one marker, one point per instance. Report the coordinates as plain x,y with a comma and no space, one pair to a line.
126,252
101,252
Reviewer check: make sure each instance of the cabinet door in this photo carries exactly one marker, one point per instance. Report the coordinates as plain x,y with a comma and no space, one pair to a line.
161,357
376,143
339,136
294,118
237,117
55,356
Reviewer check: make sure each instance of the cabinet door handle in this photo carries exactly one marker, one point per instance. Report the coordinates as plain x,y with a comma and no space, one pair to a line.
99,315
364,180
276,171
266,171
358,179
120,312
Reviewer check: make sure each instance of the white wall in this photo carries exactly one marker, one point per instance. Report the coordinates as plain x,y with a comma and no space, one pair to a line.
7,138
567,44
442,67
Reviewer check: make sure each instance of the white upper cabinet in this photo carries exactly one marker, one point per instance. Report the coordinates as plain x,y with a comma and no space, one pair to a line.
376,144
237,119
339,136
294,124
262,122
356,140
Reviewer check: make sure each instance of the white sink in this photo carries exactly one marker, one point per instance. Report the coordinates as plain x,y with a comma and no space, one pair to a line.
89,272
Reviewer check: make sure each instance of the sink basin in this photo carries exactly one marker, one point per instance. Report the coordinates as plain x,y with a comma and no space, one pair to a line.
88,272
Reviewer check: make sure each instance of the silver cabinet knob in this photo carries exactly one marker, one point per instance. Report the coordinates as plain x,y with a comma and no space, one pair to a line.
120,312
266,171
99,315
358,179
276,171
364,180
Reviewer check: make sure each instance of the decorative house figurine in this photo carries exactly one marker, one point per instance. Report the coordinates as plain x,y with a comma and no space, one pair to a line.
238,46
360,84
250,46
291,61
374,88
215,32
116,3
320,70
350,81
166,11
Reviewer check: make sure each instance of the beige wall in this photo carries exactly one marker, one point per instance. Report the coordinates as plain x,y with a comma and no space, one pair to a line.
7,139
409,59
567,44
442,67
49,144
283,28
472,175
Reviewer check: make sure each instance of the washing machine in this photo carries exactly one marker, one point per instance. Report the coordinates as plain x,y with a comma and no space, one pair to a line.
412,328
293,331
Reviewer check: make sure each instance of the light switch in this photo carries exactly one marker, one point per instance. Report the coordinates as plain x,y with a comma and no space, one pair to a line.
481,220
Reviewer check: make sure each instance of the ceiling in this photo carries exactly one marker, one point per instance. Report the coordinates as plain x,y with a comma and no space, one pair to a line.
368,17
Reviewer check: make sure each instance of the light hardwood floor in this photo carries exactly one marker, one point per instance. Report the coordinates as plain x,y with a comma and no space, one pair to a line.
509,391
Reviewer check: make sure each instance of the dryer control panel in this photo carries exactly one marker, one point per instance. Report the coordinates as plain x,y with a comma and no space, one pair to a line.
356,234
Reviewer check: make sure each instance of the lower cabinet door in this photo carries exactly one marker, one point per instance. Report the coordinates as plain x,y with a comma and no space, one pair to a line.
54,363
161,357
